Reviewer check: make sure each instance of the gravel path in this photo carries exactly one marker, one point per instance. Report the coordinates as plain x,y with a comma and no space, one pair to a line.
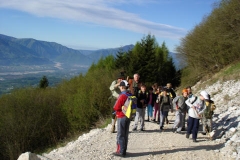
143,145
152,144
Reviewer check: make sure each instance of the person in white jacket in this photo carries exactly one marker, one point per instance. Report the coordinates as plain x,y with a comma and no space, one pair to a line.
195,106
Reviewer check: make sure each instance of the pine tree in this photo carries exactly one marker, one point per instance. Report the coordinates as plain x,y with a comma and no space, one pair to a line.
43,82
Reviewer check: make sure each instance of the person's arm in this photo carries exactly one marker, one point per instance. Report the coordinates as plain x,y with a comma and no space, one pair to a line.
113,86
190,101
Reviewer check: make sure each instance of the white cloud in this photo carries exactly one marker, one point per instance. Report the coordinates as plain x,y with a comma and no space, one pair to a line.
101,12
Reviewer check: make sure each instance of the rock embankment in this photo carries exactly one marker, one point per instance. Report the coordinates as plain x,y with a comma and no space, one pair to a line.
152,144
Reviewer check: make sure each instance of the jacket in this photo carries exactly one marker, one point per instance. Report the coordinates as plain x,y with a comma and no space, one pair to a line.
179,103
195,105
115,90
154,97
165,103
142,96
119,103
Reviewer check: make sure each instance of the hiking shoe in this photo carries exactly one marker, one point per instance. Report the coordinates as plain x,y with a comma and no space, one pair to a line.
194,140
174,130
167,122
203,133
141,129
187,135
161,128
118,154
183,129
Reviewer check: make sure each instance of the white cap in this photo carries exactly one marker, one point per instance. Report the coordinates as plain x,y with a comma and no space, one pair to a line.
124,83
204,94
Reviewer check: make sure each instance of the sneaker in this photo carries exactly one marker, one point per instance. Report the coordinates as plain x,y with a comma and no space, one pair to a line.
183,129
187,135
174,130
141,129
118,154
161,128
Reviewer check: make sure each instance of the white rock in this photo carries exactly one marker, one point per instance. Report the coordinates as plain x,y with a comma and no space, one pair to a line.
31,156
232,130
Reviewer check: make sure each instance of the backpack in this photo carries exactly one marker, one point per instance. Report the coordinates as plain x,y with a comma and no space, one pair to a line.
210,107
130,106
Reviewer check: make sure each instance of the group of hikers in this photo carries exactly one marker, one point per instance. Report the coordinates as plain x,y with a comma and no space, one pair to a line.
158,101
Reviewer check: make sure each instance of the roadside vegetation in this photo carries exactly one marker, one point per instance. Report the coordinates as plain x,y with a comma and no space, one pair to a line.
34,119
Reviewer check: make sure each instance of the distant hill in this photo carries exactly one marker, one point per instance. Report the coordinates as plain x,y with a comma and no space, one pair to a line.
95,55
28,51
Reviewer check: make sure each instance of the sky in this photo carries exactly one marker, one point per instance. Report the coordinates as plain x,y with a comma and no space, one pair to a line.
101,24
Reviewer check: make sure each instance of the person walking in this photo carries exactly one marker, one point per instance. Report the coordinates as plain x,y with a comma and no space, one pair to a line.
207,114
181,109
156,114
195,105
122,121
165,105
141,107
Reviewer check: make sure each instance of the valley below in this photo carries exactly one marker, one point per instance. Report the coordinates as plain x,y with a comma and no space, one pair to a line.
20,76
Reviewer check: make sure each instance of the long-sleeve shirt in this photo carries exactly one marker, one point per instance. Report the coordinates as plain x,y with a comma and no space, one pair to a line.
115,90
198,106
119,103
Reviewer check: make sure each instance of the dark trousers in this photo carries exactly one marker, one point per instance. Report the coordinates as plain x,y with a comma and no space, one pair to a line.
122,134
193,125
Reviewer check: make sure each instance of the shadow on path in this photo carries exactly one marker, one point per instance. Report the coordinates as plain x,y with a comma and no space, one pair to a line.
206,147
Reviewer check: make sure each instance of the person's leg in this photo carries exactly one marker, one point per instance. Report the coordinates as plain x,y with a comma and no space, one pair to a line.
120,135
181,115
142,117
204,125
114,118
177,120
127,124
155,111
136,118
190,126
183,121
162,118
195,128
150,111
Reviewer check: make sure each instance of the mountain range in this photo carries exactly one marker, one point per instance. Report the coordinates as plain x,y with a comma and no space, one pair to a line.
28,51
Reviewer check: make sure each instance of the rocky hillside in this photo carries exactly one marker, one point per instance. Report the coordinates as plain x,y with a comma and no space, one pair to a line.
153,144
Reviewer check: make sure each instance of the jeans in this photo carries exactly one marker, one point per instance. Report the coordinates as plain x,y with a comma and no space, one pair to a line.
150,110
122,133
193,125
163,116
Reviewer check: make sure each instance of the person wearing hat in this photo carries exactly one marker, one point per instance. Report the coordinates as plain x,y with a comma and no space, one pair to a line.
181,109
115,90
207,113
195,105
122,121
